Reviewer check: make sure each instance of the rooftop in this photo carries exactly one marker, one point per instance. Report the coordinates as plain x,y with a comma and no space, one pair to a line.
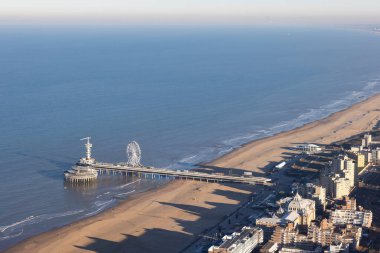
238,237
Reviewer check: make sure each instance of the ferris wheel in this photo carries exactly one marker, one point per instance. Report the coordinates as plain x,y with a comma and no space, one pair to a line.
133,154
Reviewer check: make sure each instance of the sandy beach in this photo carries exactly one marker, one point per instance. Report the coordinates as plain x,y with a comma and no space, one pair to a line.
166,220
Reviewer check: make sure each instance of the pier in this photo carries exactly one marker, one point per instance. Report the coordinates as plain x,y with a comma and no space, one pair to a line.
176,174
133,167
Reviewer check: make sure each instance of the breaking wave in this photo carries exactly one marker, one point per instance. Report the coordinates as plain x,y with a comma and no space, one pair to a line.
102,205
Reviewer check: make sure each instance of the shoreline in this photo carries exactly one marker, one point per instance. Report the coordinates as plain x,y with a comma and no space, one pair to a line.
242,148
284,131
179,195
30,243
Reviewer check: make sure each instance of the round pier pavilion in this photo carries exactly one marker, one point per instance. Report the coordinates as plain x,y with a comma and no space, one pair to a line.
78,174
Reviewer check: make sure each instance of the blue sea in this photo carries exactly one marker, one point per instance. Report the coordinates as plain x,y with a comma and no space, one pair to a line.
185,94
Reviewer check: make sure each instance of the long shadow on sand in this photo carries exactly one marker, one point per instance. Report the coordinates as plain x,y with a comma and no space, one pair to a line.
166,240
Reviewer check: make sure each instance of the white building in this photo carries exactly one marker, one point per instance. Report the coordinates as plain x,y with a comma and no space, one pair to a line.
240,242
268,221
314,192
367,140
269,247
340,178
340,187
361,218
304,207
346,167
336,186
309,148
338,247
300,249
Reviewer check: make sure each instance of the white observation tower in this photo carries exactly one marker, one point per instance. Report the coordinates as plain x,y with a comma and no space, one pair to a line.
88,145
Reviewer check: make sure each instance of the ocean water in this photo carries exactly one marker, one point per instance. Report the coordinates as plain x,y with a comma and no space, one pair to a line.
185,94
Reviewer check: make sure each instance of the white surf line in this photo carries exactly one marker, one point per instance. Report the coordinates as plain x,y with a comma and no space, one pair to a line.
3,228
39,218
125,193
12,236
123,186
107,203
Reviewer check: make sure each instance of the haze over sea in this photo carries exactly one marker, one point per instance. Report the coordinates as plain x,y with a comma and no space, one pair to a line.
186,95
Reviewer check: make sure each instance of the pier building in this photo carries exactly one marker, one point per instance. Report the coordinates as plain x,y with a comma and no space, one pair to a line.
78,174
83,172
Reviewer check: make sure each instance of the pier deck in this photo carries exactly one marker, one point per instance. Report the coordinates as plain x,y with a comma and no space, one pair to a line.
179,174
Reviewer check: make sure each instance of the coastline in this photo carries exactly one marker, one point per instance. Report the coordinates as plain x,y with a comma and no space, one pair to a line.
227,160
165,219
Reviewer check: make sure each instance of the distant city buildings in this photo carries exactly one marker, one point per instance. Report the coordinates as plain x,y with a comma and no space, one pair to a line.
367,153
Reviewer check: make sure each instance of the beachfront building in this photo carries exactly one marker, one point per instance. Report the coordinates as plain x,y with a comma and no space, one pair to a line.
244,241
268,225
305,208
347,168
340,178
366,141
309,148
314,192
268,221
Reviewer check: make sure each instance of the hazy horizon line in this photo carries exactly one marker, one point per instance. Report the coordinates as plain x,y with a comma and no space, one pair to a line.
191,19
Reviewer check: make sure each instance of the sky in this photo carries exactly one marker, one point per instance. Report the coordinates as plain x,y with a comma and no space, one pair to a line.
191,11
